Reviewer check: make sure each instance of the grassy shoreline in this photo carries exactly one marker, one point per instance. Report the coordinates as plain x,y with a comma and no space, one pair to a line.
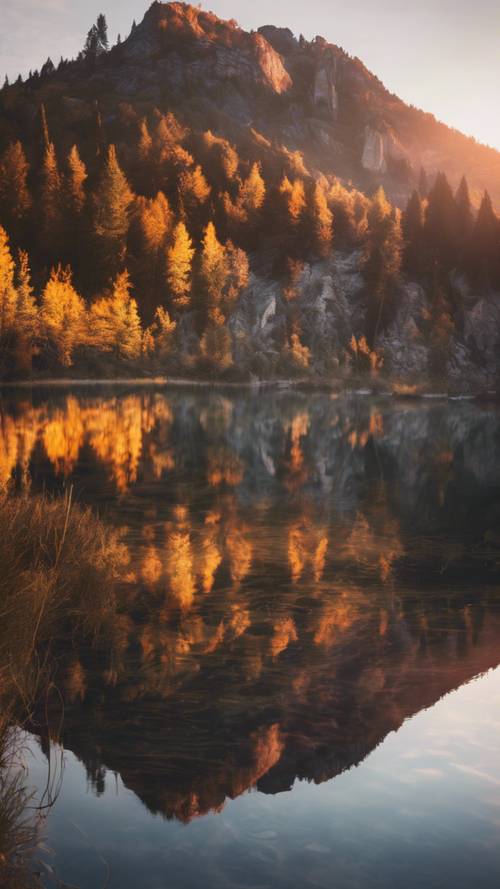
59,570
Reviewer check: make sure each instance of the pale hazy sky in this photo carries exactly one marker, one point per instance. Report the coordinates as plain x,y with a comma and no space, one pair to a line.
441,55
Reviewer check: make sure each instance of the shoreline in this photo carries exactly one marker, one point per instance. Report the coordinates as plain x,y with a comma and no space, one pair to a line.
334,387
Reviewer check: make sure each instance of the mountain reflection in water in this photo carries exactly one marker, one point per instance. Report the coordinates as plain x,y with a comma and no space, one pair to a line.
305,573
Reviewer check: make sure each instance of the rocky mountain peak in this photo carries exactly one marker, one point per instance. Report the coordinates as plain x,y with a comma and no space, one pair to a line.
222,47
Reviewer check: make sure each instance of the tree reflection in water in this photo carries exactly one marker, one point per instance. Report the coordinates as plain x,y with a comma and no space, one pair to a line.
305,573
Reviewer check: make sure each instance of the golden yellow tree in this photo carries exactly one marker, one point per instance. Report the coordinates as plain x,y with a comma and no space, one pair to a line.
63,315
297,201
320,219
179,263
214,268
27,317
115,325
8,295
75,182
163,331
15,200
253,190
145,144
155,221
51,201
239,271
216,344
193,187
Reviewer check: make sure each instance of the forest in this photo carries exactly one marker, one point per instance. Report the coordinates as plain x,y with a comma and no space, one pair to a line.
133,255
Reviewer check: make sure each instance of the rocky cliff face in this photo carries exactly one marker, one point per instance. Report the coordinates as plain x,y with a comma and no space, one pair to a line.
331,303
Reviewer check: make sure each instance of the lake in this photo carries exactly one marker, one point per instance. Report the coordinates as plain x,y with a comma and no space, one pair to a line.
300,687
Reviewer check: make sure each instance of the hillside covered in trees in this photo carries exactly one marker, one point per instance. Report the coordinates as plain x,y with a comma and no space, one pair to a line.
201,201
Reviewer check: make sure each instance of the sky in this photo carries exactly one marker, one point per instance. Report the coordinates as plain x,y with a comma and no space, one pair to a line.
440,55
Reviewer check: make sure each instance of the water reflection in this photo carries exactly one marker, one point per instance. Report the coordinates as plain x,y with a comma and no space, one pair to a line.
305,573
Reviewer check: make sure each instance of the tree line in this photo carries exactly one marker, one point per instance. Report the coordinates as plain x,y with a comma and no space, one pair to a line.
129,241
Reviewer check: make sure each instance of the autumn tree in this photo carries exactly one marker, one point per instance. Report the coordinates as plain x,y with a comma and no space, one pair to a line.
8,295
73,237
193,187
150,230
15,199
27,318
76,177
114,321
216,345
51,205
63,315
144,174
341,203
221,158
145,144
295,199
253,190
238,273
214,269
179,264
318,222
163,332
112,201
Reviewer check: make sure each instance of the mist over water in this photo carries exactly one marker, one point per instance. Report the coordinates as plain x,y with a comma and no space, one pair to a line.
309,577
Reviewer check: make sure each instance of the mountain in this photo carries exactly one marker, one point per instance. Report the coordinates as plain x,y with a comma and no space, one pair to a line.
306,96
223,203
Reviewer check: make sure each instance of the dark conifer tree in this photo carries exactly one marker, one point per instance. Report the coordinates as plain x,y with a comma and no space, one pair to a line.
485,247
102,33
464,215
45,137
382,265
412,223
440,228
423,184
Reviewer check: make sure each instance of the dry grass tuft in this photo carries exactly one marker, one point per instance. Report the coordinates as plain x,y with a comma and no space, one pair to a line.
59,571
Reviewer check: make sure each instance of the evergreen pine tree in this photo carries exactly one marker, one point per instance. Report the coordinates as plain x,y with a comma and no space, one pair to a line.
441,224
423,184
464,223
412,226
485,246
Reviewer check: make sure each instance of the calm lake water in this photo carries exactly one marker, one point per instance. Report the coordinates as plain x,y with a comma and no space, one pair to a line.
300,687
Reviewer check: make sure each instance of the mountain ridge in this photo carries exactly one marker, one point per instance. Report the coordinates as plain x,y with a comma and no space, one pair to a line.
332,107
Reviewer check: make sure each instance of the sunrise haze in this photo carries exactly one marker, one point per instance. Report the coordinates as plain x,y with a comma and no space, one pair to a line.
442,57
